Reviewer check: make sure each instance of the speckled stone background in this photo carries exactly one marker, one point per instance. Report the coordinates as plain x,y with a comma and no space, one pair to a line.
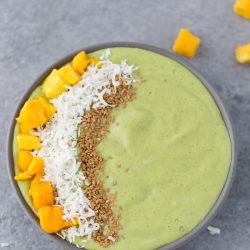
34,34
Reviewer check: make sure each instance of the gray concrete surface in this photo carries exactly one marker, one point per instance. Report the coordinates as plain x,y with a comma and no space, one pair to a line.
34,34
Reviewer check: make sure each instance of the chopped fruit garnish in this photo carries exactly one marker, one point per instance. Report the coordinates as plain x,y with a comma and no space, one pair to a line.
242,53
28,142
24,158
32,114
49,108
42,195
36,180
36,165
54,85
22,176
242,8
25,128
51,220
186,44
80,62
68,74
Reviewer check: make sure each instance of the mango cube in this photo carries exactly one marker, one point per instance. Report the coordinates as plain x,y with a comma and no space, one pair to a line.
54,85
24,158
28,142
32,114
242,53
68,74
22,176
36,165
80,62
49,109
35,182
242,8
51,220
25,128
186,44
70,223
42,195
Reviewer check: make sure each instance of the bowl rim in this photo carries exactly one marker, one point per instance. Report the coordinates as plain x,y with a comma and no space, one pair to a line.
225,116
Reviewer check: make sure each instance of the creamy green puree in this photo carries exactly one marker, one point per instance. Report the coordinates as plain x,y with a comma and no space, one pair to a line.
176,147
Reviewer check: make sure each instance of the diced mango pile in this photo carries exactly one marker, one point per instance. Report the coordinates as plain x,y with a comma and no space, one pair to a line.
242,8
35,113
58,80
187,44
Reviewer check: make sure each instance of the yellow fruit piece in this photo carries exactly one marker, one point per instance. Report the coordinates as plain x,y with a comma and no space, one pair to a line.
36,180
25,128
80,62
32,114
69,223
95,61
36,165
53,85
242,8
28,142
49,109
51,219
68,74
24,158
22,176
242,53
42,195
186,44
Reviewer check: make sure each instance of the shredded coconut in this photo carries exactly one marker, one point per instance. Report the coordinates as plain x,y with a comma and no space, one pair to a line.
59,142
110,237
213,230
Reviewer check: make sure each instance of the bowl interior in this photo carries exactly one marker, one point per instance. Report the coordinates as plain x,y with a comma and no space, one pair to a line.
203,224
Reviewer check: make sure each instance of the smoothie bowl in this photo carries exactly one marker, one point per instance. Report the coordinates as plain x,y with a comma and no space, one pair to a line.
121,146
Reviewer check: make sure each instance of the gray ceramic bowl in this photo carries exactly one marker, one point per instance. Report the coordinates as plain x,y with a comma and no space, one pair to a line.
224,193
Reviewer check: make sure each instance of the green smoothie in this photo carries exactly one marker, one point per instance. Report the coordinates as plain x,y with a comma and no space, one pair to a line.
174,151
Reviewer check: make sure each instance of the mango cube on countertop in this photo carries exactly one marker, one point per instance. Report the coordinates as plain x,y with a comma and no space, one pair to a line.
242,8
242,53
186,44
